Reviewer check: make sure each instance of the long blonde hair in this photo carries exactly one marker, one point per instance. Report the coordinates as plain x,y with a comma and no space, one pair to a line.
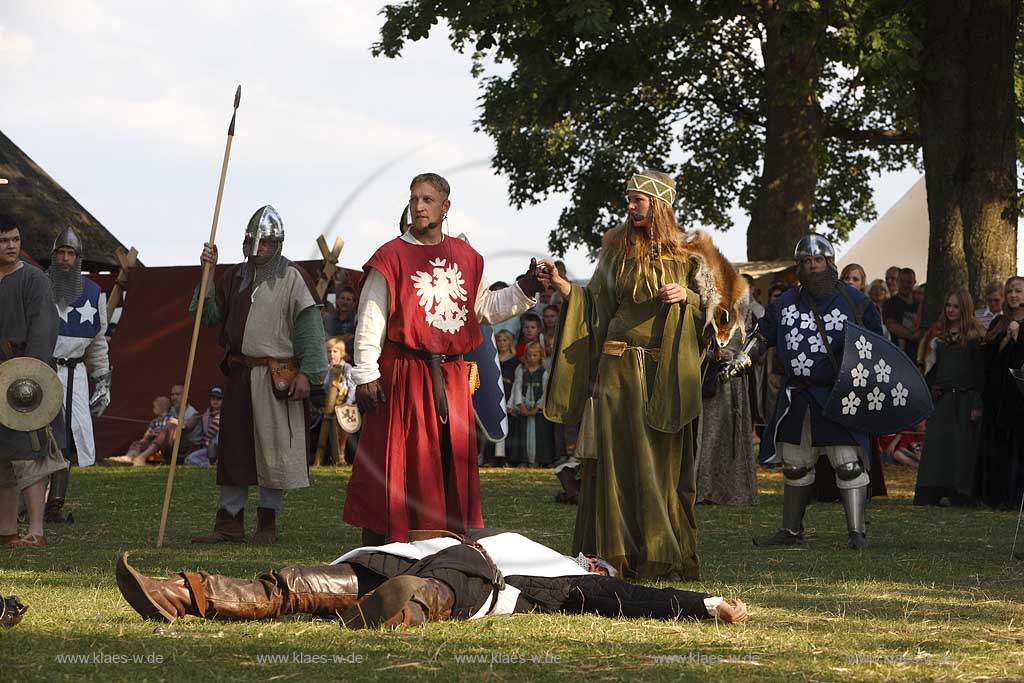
1000,326
646,247
966,329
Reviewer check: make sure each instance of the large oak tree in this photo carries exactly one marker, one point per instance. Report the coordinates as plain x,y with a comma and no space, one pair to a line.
786,109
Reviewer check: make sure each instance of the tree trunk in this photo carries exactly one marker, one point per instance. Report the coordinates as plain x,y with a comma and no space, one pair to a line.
967,121
781,215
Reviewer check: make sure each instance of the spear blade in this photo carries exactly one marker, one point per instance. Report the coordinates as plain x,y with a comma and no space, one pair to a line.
238,100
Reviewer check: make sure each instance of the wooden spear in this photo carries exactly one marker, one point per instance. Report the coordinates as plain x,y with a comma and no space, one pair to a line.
203,283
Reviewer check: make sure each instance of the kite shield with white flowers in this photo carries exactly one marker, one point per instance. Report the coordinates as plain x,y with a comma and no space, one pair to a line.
879,390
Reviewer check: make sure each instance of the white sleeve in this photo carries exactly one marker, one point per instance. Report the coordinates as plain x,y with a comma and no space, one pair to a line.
97,354
494,307
711,605
371,328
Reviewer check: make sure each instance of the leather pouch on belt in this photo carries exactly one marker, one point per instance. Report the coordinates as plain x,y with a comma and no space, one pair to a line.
282,374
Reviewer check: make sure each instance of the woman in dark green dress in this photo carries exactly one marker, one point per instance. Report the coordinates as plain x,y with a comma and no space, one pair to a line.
636,335
954,365
1000,480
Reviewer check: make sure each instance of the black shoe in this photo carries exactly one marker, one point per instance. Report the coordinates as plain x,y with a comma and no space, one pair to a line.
857,541
783,537
55,513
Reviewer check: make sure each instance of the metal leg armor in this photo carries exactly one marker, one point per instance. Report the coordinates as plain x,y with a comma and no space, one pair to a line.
794,503
55,498
854,504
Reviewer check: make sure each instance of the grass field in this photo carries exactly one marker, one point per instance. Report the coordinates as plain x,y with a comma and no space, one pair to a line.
934,599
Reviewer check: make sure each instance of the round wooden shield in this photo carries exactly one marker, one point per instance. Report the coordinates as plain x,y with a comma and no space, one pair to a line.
31,394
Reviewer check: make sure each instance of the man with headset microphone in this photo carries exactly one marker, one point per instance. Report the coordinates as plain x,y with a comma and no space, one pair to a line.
421,306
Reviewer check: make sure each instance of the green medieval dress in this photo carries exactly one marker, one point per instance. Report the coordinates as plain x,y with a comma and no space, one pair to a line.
950,450
636,506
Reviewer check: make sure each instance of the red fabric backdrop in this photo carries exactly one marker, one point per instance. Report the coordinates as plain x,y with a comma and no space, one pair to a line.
149,350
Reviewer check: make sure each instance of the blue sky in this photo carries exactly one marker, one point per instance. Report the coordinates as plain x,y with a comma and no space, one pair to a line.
126,104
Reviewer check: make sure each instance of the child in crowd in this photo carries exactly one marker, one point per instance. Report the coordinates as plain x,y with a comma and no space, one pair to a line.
159,436
207,454
533,444
339,371
338,381
529,332
903,448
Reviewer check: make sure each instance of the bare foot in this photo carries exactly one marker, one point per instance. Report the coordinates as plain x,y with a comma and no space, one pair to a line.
732,611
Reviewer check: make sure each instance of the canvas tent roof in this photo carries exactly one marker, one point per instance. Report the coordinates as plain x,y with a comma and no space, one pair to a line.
898,238
44,208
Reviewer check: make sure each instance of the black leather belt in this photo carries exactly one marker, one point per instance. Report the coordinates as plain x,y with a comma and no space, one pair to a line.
70,364
434,362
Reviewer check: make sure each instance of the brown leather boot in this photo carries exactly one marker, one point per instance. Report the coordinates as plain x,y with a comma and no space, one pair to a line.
402,601
266,527
570,493
226,528
320,591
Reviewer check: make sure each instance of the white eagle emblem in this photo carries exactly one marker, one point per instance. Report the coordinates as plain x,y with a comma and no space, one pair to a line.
442,296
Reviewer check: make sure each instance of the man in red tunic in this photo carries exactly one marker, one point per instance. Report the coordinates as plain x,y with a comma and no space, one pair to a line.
422,302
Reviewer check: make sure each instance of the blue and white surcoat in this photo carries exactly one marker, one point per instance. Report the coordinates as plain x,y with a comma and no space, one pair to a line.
789,325
82,335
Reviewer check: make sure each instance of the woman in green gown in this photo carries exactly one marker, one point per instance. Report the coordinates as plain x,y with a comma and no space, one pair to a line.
633,340
954,363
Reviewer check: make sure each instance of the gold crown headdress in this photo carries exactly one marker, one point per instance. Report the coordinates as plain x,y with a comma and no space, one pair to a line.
653,187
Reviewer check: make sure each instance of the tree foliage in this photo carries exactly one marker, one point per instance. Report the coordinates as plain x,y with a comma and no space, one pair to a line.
577,95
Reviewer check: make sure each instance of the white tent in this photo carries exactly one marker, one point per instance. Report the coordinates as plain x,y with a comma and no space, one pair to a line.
898,238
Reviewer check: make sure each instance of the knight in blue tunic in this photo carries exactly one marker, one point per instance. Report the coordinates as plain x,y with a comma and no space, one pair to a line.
805,325
80,354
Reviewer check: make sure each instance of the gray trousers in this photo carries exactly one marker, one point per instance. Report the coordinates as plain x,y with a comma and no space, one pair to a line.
805,455
232,498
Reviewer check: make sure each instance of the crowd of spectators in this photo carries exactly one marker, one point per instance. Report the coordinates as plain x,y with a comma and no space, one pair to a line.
970,452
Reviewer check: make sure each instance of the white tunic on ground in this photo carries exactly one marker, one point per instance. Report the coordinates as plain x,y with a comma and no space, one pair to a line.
513,554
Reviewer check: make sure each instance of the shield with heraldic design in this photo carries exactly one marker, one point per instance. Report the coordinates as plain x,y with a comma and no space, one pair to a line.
879,389
489,399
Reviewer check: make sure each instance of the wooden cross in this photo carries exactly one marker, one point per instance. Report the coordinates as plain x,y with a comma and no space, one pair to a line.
330,266
127,261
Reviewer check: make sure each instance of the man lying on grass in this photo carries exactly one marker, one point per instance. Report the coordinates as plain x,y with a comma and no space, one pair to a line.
436,576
